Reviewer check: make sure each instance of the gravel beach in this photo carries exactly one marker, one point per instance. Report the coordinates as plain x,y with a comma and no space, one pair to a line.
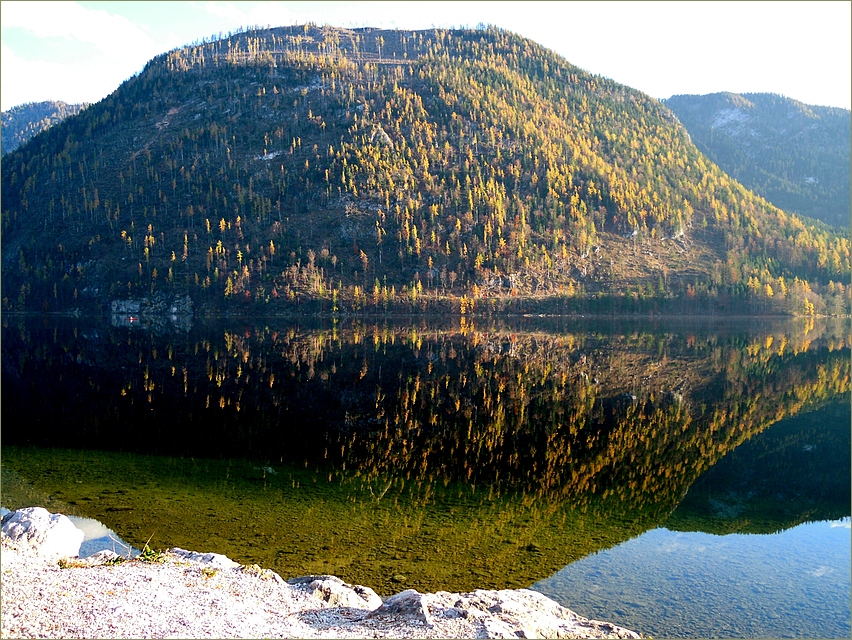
183,594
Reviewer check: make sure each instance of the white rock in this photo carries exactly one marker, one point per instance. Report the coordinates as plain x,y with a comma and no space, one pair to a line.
520,613
214,560
338,593
406,605
49,536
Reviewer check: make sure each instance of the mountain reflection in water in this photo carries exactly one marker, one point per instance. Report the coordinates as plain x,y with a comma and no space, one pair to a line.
732,561
439,456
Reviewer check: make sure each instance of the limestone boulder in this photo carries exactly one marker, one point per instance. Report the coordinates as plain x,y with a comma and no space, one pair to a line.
212,560
519,613
409,605
338,593
49,536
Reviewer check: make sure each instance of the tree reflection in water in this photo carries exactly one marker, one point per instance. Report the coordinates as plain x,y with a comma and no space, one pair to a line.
514,448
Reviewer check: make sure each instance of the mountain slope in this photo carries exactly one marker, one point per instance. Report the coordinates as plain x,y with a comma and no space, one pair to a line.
352,169
794,155
24,121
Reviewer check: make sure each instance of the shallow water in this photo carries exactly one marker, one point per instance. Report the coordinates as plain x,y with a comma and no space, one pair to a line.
793,584
385,533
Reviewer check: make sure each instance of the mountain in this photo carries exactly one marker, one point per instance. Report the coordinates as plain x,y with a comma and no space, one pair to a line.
24,121
362,170
795,155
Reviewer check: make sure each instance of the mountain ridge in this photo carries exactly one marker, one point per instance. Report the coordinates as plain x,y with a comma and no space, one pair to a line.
348,170
794,154
22,122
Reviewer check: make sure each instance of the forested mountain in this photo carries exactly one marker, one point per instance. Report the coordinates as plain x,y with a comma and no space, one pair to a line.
24,121
795,155
363,170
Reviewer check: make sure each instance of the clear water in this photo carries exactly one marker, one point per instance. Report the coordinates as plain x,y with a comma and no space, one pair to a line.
98,537
722,566
792,584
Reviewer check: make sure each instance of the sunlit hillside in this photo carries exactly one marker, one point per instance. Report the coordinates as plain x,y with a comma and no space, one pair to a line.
334,170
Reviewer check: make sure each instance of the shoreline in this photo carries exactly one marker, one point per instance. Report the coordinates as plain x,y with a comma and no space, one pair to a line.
185,594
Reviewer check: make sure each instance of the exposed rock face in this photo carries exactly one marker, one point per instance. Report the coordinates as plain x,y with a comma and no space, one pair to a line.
155,306
154,312
48,535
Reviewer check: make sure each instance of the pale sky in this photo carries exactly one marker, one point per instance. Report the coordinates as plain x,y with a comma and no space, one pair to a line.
82,51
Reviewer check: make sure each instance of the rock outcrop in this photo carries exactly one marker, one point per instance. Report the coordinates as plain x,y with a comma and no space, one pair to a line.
521,613
50,536
156,312
336,593
406,605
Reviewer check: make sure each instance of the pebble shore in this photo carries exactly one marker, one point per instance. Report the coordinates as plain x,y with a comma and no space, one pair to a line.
190,595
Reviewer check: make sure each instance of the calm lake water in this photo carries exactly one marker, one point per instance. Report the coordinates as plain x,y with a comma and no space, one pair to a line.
682,478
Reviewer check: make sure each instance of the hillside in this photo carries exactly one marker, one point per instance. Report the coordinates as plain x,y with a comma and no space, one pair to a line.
24,121
795,155
323,169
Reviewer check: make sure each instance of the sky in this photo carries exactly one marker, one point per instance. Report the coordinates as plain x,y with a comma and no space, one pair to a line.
82,51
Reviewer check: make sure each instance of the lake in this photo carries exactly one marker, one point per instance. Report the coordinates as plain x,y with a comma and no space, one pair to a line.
681,477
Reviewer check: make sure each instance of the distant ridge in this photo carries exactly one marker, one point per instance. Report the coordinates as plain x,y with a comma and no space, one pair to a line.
793,154
22,122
